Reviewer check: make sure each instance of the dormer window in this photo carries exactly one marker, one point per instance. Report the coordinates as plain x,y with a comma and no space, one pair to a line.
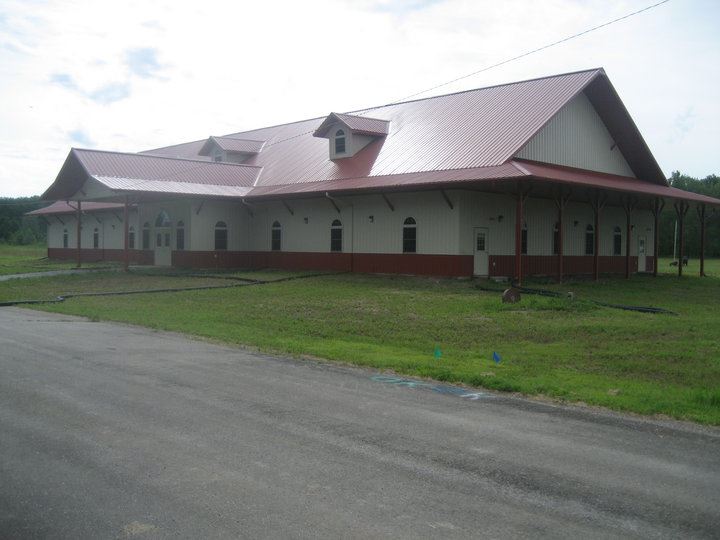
339,141
348,134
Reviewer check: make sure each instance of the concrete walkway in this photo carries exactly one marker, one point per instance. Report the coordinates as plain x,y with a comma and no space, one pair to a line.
49,273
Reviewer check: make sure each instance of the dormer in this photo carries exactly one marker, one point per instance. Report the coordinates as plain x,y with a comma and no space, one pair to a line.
348,134
231,150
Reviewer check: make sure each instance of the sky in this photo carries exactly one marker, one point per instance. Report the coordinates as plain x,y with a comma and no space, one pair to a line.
130,76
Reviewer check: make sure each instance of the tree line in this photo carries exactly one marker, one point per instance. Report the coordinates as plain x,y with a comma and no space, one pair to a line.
15,228
710,185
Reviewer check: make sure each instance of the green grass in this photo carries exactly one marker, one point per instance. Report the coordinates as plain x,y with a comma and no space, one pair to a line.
32,258
569,350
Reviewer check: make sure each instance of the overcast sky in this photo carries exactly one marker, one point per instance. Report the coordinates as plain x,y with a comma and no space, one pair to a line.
130,76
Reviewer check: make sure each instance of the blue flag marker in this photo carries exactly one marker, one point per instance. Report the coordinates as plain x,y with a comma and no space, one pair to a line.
438,352
496,357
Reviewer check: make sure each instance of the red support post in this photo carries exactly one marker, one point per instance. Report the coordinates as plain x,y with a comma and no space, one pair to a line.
79,233
126,226
597,206
657,208
628,232
518,238
681,211
560,242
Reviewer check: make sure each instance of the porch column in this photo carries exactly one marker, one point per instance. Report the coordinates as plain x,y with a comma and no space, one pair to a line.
518,238
701,213
561,201
79,233
596,251
597,206
657,208
628,206
560,243
126,226
681,210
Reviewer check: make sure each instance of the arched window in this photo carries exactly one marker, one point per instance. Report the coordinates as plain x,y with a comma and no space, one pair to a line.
339,141
65,238
409,236
589,240
336,235
146,236
180,236
163,219
523,239
276,236
220,235
131,238
556,238
96,238
617,241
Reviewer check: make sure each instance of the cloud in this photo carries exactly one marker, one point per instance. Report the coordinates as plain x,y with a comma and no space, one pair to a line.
65,80
110,93
105,95
684,122
143,62
81,137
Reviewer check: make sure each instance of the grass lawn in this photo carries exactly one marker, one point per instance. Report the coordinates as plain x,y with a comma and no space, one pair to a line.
32,258
567,349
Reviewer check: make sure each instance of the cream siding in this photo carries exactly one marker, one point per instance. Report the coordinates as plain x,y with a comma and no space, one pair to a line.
202,220
437,224
577,137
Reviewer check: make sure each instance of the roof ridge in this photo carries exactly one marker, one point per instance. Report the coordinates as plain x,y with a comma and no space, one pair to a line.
237,139
598,69
206,162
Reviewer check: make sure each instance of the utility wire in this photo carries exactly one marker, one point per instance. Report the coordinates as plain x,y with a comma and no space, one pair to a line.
528,53
502,63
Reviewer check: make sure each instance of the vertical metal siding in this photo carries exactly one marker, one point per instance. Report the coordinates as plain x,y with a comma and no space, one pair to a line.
577,137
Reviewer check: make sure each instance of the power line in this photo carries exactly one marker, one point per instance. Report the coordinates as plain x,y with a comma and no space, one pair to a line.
506,61
528,53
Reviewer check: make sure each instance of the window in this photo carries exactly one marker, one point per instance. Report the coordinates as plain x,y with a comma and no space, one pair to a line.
158,240
523,239
131,238
220,235
96,238
339,141
276,237
336,235
589,240
163,220
617,241
409,236
556,238
217,158
180,236
146,236
65,238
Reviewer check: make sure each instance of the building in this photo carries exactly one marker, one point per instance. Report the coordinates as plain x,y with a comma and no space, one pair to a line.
542,177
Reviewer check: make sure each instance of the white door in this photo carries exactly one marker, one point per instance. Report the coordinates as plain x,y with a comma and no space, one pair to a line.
163,251
641,254
480,247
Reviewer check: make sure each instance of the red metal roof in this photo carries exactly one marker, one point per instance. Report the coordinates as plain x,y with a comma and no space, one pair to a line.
592,179
358,124
232,144
467,136
145,173
62,207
